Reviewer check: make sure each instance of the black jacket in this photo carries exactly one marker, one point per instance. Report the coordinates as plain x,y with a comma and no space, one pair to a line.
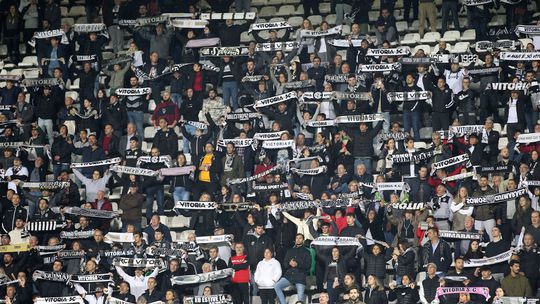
442,256
255,246
116,115
377,296
404,295
303,258
430,286
166,142
363,141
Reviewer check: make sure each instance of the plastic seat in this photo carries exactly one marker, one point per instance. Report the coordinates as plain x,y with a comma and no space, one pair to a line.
275,2
431,38
245,37
286,10
402,26
73,94
295,21
315,20
460,47
410,38
258,2
435,49
331,19
503,142
468,35
268,11
425,47
149,132
276,19
426,132
525,41
76,11
451,36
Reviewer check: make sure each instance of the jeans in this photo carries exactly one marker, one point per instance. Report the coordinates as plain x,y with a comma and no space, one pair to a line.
242,6
47,126
157,192
332,294
181,194
283,283
191,130
412,119
137,117
450,7
386,122
177,99
389,35
531,117
117,38
341,10
363,160
230,94
57,168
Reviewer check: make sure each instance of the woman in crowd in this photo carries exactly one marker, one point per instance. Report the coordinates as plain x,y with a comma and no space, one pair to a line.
268,272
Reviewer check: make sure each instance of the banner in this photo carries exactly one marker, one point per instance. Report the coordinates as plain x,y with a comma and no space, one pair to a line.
47,35
351,95
298,205
252,78
477,2
301,84
165,159
359,118
117,60
227,16
116,253
43,226
519,56
459,176
321,123
268,26
270,187
275,99
242,116
110,161
70,254
133,91
484,46
14,248
338,78
51,276
467,130
74,235
462,235
416,156
195,205
118,237
528,29
403,51
137,262
278,144
196,124
82,58
91,278
165,252
496,198
484,71
528,138
152,20
450,162
214,240
452,58
408,96
198,43
39,82
407,206
336,241
268,136
394,186
44,185
112,300
133,170
311,171
286,46
59,300
483,291
224,51
416,60
496,169
317,95
105,214
237,142
212,299
237,181
202,277
175,171
380,67
189,23
516,300
89,27
336,30
507,86
53,249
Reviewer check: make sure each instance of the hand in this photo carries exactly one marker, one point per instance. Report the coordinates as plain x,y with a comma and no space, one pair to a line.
56,157
293,264
385,244
499,222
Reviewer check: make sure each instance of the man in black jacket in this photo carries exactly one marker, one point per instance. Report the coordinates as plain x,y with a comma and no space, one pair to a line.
166,140
363,144
152,186
412,110
229,33
115,114
297,263
428,287
442,101
437,251
14,211
256,243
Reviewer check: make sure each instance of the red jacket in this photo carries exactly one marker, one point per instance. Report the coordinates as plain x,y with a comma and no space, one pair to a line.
241,268
105,206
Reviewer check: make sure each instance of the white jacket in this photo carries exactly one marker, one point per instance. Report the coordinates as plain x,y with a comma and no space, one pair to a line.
267,273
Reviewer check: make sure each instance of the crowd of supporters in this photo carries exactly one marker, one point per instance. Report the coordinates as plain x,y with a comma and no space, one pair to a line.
103,156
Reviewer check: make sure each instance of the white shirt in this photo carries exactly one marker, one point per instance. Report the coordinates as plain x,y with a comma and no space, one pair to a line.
512,112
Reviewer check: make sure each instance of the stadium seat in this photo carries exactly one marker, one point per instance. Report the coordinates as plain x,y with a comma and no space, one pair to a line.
435,49
73,94
460,48
420,145
411,38
77,11
295,21
431,38
497,20
74,85
503,142
468,35
246,38
315,20
425,133
258,2
274,2
402,26
525,41
276,19
451,36
425,47
286,10
300,10
324,8
28,61
178,221
63,10
31,73
268,11
149,132
331,19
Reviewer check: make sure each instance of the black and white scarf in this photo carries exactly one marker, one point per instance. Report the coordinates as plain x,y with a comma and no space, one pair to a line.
496,198
202,277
